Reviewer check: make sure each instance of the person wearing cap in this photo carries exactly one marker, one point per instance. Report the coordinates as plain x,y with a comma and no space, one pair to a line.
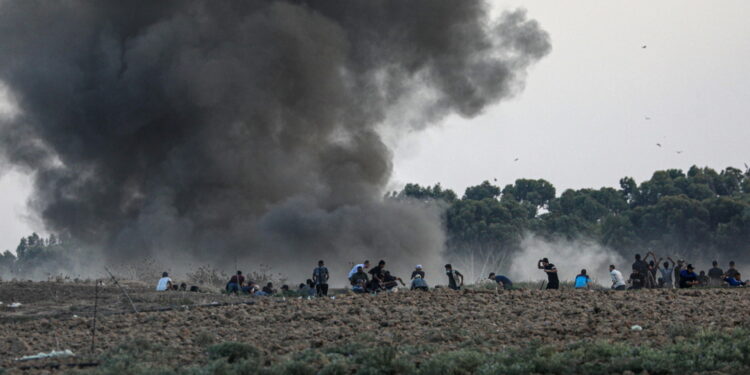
165,283
688,278
501,281
419,283
418,271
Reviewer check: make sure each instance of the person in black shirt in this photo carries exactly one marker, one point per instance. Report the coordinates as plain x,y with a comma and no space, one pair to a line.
640,265
455,278
378,276
715,275
637,279
552,281
417,271
390,281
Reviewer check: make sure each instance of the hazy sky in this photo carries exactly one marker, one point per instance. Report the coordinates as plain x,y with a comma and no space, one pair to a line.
581,121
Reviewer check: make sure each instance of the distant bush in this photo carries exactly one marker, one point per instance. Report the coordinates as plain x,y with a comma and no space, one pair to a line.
233,352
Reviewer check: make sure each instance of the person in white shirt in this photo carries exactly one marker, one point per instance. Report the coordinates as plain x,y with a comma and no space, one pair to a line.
618,283
364,266
165,283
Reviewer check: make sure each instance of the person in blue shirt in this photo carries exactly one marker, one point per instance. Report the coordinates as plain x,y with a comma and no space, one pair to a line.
688,278
502,281
735,281
582,280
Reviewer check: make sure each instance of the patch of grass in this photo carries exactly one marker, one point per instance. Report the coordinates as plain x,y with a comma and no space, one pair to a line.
233,352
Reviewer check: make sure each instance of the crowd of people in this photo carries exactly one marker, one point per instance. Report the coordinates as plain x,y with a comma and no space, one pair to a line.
649,274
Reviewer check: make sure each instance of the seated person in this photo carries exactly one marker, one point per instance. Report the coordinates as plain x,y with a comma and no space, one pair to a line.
636,280
358,276
501,281
183,286
165,283
688,278
703,279
418,283
359,287
250,288
582,280
418,271
269,290
735,281
235,283
390,281
304,290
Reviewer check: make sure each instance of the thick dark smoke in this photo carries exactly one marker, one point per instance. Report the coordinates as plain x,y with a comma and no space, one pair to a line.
214,129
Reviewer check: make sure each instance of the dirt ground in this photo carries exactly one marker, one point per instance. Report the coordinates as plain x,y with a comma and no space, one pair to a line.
58,316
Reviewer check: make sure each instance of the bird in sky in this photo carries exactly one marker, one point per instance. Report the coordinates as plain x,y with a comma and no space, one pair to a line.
644,46
494,179
658,144
648,118
516,159
679,152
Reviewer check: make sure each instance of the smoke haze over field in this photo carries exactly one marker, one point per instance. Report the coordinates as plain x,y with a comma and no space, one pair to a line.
205,131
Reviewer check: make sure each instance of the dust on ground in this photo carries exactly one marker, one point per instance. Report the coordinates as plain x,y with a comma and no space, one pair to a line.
59,317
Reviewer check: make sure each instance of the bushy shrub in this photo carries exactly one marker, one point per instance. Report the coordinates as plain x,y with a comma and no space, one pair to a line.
233,352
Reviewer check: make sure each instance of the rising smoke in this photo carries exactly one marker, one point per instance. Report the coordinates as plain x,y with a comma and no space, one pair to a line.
215,130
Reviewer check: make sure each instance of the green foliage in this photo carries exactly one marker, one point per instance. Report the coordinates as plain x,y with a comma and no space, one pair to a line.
233,352
691,214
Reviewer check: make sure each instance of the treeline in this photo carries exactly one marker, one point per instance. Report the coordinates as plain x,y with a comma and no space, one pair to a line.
38,257
697,215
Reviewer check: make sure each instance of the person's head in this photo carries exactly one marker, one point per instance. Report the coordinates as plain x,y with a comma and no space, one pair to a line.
320,263
545,261
637,256
285,287
611,267
703,273
270,284
366,263
381,264
164,274
359,269
731,263
387,273
301,286
583,271
715,263
666,264
737,276
690,267
419,267
448,267
651,264
309,282
492,276
239,273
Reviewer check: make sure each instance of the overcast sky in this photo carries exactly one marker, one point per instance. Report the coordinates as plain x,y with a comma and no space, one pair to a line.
582,119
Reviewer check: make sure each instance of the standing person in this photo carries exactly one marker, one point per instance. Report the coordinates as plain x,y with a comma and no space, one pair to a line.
165,283
640,265
666,273
502,281
320,278
688,278
418,271
715,275
582,280
618,282
731,271
552,281
364,265
455,278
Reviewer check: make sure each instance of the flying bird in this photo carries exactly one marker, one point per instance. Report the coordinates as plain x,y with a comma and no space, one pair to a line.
644,46
494,179
516,159
648,118
658,144
679,152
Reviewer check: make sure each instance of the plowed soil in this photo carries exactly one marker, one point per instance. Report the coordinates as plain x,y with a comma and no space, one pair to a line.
58,316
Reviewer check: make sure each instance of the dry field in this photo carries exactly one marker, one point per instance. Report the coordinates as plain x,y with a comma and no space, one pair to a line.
57,316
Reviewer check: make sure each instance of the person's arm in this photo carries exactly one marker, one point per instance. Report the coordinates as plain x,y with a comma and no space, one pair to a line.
552,270
401,281
315,276
670,259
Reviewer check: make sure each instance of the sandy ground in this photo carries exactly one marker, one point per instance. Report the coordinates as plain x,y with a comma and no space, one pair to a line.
60,318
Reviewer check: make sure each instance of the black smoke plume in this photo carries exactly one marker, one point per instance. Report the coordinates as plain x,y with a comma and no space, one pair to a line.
210,130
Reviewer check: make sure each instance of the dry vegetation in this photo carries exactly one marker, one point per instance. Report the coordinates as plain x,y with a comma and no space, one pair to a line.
418,327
